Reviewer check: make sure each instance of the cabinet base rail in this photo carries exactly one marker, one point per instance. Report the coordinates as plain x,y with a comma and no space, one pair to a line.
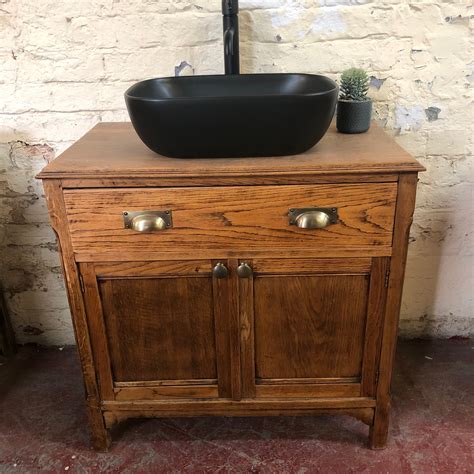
366,415
111,413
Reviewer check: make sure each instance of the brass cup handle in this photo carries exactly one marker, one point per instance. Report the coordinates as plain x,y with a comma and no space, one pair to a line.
220,271
244,270
148,223
313,218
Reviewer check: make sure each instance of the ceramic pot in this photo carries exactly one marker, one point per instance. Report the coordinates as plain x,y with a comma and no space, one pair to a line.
354,116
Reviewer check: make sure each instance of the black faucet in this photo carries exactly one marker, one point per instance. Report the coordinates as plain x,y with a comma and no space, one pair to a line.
230,10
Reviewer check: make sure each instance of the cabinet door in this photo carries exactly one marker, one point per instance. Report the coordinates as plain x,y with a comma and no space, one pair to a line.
311,327
156,329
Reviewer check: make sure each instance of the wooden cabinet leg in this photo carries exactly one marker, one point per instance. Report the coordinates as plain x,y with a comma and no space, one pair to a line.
100,435
378,434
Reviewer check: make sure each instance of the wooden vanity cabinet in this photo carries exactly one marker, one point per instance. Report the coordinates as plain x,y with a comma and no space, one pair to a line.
225,306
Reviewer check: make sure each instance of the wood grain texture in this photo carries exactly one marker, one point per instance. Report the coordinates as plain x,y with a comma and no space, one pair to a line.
100,435
113,150
309,326
363,414
247,335
157,253
233,316
164,383
297,390
145,269
98,333
160,329
373,329
232,217
243,407
209,180
166,392
307,380
403,221
284,272
312,332
57,213
301,266
222,289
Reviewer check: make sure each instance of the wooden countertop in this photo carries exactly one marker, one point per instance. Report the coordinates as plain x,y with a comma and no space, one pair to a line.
113,150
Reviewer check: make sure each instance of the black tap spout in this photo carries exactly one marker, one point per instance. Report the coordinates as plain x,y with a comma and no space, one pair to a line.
230,12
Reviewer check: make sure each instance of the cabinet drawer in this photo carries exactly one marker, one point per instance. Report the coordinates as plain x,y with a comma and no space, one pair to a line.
237,219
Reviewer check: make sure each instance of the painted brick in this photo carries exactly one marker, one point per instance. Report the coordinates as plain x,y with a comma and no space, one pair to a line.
65,67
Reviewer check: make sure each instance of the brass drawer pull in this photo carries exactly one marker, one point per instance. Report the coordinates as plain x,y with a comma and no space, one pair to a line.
147,221
313,218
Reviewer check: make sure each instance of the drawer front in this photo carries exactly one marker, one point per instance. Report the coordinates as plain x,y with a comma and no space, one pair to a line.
238,219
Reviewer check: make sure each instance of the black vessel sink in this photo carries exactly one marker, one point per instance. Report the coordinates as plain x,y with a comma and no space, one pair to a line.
232,116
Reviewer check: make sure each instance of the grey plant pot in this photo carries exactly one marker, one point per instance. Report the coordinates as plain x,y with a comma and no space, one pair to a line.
354,116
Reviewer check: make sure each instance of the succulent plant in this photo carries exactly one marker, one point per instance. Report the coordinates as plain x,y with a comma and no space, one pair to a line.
354,85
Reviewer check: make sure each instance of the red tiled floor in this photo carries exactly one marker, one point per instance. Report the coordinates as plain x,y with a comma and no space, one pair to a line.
43,425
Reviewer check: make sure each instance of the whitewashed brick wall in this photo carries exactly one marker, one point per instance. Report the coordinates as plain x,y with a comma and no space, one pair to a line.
64,66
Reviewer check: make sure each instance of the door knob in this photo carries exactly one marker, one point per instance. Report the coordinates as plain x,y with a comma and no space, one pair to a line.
244,270
220,271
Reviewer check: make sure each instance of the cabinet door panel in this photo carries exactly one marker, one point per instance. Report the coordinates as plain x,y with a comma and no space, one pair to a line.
157,330
310,326
160,329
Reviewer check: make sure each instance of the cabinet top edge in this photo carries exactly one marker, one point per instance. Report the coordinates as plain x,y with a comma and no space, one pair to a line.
113,150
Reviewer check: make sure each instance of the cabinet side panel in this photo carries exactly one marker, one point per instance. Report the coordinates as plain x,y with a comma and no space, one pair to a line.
403,220
57,214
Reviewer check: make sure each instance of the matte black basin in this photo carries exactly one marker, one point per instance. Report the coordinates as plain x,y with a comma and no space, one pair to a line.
232,116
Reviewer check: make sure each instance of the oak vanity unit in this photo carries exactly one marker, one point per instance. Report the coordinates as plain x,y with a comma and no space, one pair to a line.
235,287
